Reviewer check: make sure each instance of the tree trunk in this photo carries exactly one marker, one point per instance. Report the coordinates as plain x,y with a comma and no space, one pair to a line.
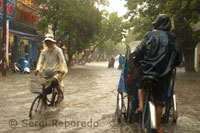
100,43
69,54
189,59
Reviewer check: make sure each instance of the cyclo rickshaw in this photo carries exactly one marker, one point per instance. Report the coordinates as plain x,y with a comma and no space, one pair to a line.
127,97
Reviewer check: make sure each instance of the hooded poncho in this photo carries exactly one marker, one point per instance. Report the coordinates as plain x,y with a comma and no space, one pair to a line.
157,54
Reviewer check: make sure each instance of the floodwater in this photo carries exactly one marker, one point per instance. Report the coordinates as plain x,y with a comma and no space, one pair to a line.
89,105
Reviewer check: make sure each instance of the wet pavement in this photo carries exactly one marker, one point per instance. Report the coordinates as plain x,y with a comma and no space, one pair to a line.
89,105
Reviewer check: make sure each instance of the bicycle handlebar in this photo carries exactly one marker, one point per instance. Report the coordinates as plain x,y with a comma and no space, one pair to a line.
41,75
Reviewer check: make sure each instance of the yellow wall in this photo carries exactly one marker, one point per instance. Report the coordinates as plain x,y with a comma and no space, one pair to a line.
11,42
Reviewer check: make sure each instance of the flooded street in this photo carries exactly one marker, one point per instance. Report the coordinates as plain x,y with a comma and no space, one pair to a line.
89,105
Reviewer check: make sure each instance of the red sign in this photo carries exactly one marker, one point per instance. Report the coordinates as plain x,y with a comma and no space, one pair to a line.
10,8
28,16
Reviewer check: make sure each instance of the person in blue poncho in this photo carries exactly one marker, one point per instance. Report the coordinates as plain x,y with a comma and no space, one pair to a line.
27,58
25,61
121,61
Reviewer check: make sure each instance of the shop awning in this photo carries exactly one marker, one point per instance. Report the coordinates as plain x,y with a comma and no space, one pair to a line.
22,34
24,31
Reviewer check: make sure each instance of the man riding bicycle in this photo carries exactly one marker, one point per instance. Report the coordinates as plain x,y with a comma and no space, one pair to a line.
52,65
157,55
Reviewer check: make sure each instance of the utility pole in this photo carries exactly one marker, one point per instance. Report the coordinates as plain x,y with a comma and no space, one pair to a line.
3,45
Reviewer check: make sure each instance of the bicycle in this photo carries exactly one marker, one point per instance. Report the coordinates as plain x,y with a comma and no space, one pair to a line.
121,108
170,105
149,113
42,100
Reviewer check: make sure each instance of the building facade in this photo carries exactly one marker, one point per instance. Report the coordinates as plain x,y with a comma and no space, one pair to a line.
21,23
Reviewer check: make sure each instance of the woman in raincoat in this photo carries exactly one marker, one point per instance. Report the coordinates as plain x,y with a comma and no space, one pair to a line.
51,64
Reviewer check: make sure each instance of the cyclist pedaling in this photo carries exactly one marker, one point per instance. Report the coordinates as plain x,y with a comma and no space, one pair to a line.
51,64
157,55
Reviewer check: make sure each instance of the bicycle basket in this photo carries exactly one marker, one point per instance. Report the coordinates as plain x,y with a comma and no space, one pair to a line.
35,84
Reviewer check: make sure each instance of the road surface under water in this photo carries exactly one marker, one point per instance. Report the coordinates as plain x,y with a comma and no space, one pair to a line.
89,104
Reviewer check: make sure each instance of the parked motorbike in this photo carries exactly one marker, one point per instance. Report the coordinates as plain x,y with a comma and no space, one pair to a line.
17,68
24,66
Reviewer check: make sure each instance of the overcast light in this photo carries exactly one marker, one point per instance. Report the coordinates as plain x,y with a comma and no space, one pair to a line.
116,6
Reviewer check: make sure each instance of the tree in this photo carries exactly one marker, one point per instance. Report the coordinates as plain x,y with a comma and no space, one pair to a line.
141,15
113,29
109,48
74,23
131,37
183,12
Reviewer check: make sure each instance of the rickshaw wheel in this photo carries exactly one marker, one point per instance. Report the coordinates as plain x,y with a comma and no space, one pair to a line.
121,109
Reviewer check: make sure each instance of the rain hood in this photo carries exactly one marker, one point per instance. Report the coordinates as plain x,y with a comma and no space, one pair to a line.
162,22
158,53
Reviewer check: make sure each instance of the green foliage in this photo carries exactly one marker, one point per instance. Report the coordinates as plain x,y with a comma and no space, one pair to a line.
113,29
184,13
142,14
75,22
110,48
78,23
131,37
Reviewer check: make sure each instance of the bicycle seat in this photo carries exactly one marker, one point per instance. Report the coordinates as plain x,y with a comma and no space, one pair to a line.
149,78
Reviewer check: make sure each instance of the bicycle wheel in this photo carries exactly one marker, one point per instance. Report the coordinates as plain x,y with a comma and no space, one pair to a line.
175,111
129,111
62,93
53,97
121,109
166,115
170,110
36,107
173,101
148,119
117,111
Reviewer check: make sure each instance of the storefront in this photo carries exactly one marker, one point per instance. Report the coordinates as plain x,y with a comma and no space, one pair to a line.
22,35
24,29
23,41
11,9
